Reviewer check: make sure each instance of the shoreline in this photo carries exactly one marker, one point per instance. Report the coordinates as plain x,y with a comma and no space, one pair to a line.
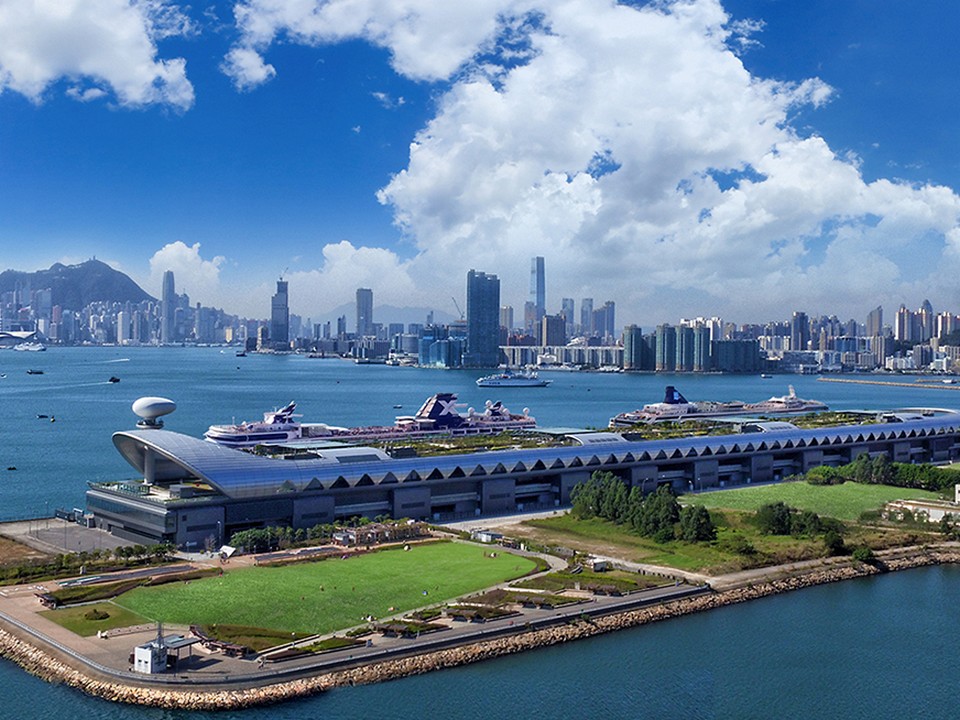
47,666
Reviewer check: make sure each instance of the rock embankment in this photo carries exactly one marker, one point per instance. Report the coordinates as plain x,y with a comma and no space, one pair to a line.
49,668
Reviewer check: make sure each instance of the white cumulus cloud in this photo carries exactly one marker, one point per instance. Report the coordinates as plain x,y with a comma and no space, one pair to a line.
96,45
346,268
427,40
192,274
631,147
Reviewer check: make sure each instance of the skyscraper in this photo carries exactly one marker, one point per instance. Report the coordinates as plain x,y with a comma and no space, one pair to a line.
633,348
903,329
666,348
506,317
875,321
483,320
926,321
538,288
799,331
586,316
364,312
280,316
552,330
168,308
566,309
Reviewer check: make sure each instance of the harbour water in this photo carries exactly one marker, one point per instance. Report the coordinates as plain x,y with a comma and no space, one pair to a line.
872,648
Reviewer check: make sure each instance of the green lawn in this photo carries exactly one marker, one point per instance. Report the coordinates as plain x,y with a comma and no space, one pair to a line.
844,502
602,537
73,619
330,595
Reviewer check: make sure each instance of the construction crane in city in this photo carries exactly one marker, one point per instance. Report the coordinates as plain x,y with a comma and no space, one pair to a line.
457,305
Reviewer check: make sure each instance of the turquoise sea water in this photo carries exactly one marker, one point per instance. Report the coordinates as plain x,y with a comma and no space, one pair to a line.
875,648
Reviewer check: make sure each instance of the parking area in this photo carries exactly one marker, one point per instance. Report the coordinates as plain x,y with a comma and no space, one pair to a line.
53,535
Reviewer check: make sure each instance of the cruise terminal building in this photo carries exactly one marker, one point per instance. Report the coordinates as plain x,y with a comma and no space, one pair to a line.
194,493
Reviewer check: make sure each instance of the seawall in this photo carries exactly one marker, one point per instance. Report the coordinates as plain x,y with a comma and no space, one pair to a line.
44,665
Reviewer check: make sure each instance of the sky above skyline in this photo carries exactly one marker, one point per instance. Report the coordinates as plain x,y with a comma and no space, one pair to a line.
744,158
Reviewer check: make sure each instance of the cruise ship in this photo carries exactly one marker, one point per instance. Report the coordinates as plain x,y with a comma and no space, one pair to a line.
439,415
509,378
676,407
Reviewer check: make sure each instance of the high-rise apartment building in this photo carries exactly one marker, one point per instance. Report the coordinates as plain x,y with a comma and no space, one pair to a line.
552,330
903,329
364,312
280,316
506,317
483,320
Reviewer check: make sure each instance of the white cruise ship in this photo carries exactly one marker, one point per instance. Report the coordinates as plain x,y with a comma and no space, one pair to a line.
509,378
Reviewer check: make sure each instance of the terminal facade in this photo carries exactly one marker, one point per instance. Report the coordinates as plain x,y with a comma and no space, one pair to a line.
194,493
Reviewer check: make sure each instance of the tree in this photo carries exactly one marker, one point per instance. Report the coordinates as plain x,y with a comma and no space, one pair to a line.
696,524
659,513
774,519
805,523
833,542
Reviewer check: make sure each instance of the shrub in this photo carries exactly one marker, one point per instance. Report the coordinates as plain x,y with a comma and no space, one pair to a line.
96,614
864,554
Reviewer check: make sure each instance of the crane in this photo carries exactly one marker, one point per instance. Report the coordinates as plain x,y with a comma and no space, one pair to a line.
457,305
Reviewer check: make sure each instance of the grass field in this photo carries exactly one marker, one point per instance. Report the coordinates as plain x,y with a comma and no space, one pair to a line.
330,595
73,619
844,502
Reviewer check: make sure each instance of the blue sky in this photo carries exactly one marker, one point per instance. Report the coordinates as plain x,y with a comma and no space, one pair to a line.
742,159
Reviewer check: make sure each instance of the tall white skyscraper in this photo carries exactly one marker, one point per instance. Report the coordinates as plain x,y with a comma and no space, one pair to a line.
538,288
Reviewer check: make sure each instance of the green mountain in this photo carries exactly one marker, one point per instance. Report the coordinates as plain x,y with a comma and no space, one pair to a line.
74,286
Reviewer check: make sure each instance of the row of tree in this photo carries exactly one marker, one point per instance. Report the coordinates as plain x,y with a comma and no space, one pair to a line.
657,515
780,519
880,470
275,537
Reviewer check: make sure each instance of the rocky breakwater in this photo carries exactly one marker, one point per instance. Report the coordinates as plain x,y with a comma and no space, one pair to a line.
43,665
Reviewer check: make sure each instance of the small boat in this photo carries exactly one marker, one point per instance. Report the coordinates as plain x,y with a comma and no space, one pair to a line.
41,416
114,379
34,372
241,353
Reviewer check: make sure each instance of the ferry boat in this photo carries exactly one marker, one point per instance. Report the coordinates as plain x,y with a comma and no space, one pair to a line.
438,416
509,378
30,347
676,407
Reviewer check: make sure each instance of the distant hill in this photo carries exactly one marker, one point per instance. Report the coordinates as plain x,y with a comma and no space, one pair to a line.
75,286
385,314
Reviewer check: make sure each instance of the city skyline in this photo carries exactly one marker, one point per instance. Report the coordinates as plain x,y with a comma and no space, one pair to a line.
799,151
